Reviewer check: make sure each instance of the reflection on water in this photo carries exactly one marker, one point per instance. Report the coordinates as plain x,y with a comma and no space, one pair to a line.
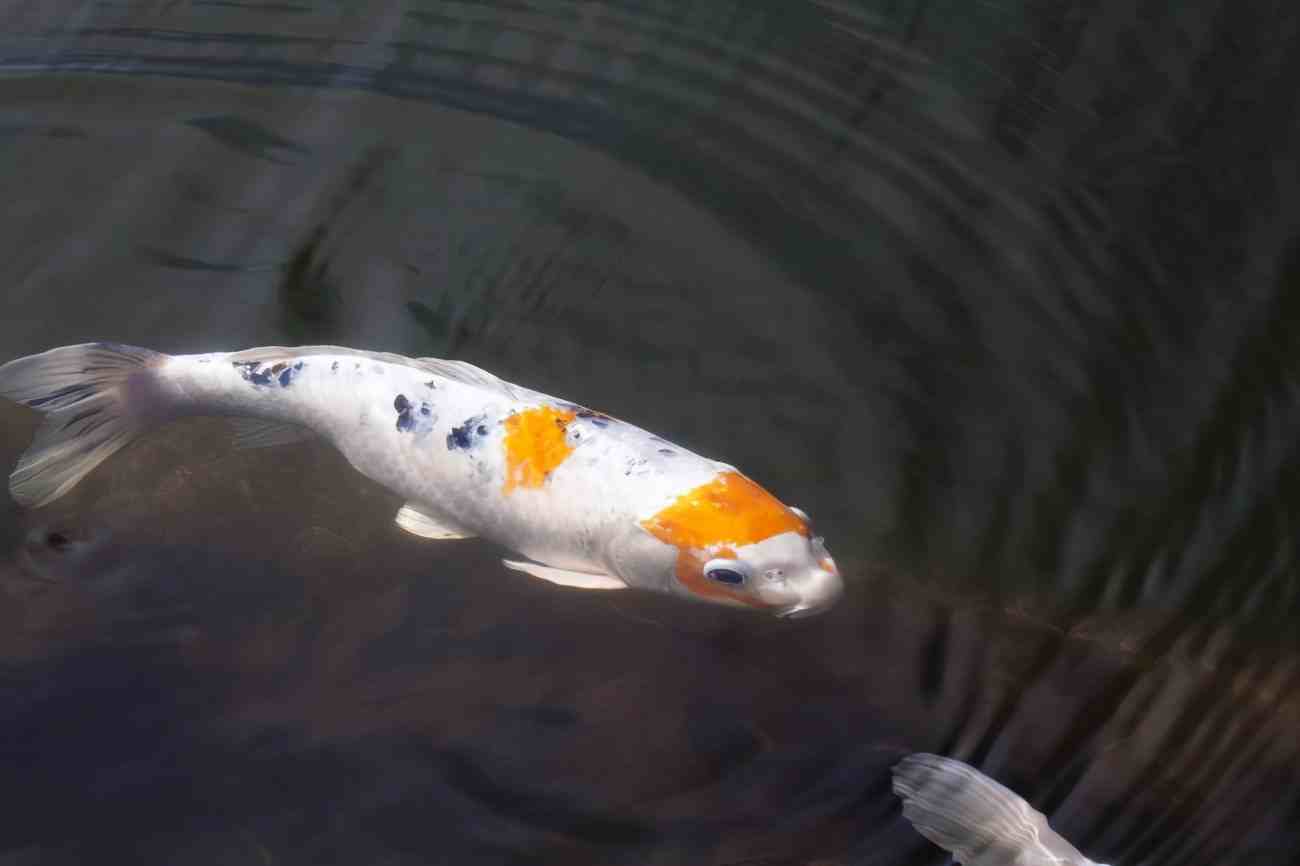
1003,293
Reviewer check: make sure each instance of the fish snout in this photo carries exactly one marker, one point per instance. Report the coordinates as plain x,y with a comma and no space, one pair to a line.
818,593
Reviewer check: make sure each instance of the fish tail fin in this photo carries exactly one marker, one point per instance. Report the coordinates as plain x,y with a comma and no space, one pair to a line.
96,398
959,808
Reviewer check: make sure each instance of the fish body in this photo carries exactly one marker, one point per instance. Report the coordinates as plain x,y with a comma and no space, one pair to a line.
586,499
977,820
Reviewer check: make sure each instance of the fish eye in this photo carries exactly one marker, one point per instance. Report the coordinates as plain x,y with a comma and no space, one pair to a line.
727,571
726,575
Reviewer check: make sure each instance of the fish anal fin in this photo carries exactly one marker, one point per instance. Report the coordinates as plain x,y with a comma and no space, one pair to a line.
419,522
565,577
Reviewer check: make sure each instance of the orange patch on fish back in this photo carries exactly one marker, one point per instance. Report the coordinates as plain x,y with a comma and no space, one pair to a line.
535,445
730,509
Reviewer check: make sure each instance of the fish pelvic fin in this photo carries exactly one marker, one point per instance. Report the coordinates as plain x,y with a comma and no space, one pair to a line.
565,577
96,398
418,521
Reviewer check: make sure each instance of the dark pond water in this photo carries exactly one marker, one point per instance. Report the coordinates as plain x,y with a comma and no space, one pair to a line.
1006,294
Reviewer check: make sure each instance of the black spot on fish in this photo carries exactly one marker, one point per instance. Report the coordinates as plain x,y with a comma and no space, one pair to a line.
430,385
404,420
407,419
597,419
667,452
280,373
334,368
288,373
252,372
463,436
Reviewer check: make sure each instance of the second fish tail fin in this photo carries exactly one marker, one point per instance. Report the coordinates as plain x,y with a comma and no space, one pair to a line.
96,398
965,812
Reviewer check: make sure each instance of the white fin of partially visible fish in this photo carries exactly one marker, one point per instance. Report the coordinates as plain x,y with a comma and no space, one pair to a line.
977,820
593,502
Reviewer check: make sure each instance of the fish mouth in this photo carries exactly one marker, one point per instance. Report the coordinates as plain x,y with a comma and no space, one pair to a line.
803,611
821,592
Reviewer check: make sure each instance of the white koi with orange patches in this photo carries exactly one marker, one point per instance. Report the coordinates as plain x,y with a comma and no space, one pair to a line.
575,491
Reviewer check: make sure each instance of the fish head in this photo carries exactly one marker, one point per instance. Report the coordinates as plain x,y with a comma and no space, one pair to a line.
788,574
735,544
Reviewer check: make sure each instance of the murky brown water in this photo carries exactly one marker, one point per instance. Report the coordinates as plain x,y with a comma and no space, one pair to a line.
1003,294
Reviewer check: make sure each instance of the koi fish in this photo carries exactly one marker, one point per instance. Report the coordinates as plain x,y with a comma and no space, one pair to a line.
978,821
586,500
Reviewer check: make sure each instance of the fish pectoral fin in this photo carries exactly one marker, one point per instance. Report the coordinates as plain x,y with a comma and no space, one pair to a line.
418,522
260,433
565,577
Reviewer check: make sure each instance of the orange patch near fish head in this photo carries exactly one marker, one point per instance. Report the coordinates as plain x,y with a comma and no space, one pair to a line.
729,510
535,445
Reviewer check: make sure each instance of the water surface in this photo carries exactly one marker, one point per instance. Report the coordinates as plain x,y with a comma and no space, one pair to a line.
1003,294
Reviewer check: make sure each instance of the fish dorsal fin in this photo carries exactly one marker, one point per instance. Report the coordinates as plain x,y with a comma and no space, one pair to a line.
454,371
419,522
260,433
467,374
565,577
